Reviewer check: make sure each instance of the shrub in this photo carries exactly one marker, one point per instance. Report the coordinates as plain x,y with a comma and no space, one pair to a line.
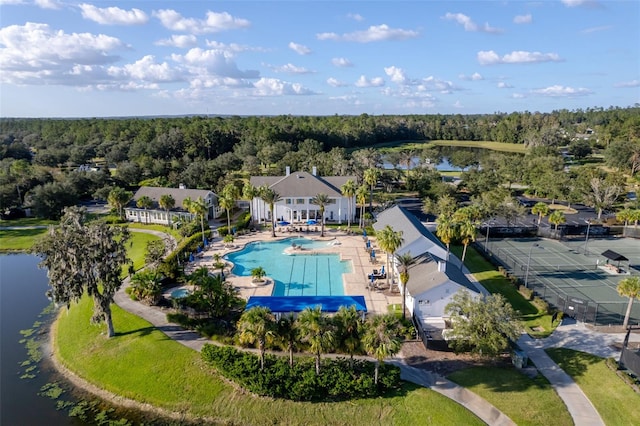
541,304
170,266
337,381
526,292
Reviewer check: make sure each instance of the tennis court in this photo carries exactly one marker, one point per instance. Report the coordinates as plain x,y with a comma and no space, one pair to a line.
581,285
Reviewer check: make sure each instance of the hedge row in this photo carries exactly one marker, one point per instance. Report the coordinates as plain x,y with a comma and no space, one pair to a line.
337,380
170,266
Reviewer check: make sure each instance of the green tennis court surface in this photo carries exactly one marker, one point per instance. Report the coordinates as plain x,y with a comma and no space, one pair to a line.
581,285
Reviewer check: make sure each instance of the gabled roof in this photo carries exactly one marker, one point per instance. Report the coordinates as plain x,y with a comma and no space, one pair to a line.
416,238
303,184
178,194
424,276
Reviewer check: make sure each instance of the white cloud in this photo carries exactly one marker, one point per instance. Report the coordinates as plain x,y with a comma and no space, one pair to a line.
469,25
333,82
37,54
516,57
632,83
473,77
596,29
373,82
299,48
523,19
291,69
214,22
275,87
581,3
396,74
558,91
48,4
341,62
182,41
458,104
212,62
113,15
355,17
145,69
503,85
432,83
373,33
233,47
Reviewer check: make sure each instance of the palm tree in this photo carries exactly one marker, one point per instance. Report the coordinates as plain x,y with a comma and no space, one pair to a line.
389,241
257,325
118,198
361,198
349,330
271,197
349,190
625,216
146,286
316,330
167,202
556,218
198,208
370,177
227,203
541,209
404,261
145,203
258,273
446,230
629,287
381,338
249,192
467,231
321,200
287,335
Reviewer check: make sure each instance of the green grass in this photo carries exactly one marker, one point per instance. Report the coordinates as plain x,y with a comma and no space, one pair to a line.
27,221
137,247
156,227
616,402
143,364
526,401
495,146
532,318
19,239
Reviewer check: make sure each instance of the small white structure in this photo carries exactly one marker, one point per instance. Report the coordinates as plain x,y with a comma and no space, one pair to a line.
297,191
433,279
156,214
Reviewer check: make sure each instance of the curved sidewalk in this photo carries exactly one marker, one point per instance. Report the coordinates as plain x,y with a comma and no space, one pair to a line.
579,406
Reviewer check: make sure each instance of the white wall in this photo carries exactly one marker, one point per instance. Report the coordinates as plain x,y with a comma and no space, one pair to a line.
433,302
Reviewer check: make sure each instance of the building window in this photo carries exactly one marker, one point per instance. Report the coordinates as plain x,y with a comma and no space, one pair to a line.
288,201
300,201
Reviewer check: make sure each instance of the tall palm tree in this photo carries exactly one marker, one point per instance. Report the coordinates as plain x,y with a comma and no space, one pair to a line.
541,209
227,203
257,325
349,190
316,330
629,287
349,330
321,200
287,335
271,197
382,339
389,241
361,198
249,192
371,177
404,261
467,231
198,208
145,202
446,230
118,198
167,202
556,218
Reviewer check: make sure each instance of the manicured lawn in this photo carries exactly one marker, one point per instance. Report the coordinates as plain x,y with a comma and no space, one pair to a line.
526,401
138,246
616,402
156,227
19,239
142,363
27,221
495,282
495,146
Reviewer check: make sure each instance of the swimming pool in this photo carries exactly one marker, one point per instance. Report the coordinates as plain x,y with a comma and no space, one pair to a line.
180,293
296,274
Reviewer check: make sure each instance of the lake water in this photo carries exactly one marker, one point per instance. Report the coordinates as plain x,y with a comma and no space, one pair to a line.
22,299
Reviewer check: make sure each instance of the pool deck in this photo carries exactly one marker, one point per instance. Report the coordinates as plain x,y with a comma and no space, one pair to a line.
349,247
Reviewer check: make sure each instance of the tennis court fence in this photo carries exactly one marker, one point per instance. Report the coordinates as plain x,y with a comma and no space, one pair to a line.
581,309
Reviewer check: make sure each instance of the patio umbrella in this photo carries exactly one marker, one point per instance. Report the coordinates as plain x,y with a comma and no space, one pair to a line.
364,232
191,258
312,222
283,223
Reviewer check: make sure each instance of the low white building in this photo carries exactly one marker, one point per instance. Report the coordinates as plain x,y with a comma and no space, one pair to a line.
433,279
296,191
156,214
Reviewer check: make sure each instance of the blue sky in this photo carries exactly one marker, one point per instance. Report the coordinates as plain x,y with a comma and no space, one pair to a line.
138,58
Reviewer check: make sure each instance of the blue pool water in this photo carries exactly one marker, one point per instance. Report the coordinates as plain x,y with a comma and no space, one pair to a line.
180,293
297,274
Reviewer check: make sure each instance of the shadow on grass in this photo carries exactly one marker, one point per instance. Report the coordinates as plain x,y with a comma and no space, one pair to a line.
498,379
140,332
22,233
574,363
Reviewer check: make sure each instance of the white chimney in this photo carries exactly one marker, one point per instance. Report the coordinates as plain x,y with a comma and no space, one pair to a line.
314,170
287,170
